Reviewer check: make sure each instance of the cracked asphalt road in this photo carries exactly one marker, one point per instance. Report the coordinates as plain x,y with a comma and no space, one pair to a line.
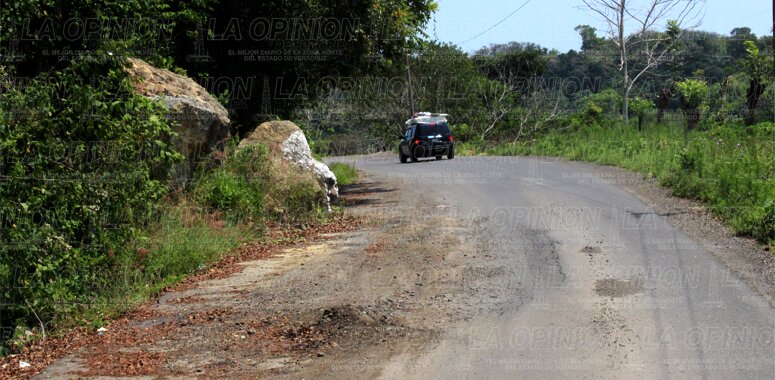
591,282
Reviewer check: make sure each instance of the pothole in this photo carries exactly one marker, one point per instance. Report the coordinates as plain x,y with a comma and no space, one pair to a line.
590,249
614,288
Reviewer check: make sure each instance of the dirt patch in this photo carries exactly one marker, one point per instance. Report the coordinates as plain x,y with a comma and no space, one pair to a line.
377,247
280,239
341,307
614,288
265,309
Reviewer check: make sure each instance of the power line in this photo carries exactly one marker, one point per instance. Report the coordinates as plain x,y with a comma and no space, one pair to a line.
496,24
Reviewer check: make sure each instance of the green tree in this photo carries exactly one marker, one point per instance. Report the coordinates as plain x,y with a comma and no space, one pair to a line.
737,43
693,94
758,68
589,39
513,68
137,28
641,108
369,37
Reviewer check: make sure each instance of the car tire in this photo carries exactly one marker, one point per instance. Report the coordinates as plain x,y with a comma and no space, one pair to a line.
413,154
438,158
451,153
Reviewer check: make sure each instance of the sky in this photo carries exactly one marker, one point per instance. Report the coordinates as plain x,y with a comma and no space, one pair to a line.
551,23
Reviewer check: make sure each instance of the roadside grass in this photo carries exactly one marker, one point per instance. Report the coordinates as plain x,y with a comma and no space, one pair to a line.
345,174
731,168
184,241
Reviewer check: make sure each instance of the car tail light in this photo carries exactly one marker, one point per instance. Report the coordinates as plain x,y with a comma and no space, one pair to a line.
451,138
417,142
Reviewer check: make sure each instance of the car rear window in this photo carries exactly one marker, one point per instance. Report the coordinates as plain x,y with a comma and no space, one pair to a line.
432,129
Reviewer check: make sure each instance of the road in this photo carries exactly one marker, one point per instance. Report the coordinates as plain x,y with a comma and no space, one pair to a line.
594,283
472,268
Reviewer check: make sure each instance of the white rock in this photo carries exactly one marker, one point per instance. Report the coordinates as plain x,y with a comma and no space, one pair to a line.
286,140
296,150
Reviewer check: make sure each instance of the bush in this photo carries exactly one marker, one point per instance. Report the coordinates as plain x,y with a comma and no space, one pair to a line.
85,157
302,200
464,133
238,186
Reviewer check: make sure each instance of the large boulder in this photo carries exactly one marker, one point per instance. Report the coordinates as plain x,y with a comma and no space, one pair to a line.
201,122
286,140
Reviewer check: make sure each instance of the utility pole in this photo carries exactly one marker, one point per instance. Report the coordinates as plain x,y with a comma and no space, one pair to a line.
409,85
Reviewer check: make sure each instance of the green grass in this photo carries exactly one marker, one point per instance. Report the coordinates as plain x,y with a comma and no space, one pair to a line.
731,168
345,174
183,242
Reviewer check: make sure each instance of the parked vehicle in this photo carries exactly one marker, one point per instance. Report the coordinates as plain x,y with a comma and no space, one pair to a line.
426,135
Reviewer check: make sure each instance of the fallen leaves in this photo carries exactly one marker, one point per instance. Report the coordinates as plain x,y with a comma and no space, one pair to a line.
101,352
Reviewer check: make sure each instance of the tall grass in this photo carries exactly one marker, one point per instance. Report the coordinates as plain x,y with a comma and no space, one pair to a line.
345,174
186,239
731,168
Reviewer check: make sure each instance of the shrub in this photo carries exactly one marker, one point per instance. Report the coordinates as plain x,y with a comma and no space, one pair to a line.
83,155
464,133
238,186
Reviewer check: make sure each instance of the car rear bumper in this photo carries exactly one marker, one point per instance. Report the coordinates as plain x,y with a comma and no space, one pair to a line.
429,150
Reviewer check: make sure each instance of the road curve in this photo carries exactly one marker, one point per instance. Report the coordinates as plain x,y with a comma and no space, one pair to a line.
598,284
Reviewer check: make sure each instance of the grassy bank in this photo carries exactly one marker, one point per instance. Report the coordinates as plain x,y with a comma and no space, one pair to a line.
731,168
345,174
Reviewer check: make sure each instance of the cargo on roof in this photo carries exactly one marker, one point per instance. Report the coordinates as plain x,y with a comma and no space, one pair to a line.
427,118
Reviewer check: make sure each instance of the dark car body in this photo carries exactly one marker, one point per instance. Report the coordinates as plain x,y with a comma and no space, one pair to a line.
426,139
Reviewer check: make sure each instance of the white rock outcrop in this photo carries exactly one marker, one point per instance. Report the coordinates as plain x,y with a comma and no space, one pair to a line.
296,150
287,140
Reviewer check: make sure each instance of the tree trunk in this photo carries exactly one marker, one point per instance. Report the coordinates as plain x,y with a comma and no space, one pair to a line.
692,118
626,106
663,100
755,90
692,115
625,68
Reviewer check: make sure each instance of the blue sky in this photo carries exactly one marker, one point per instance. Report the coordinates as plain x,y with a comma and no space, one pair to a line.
550,23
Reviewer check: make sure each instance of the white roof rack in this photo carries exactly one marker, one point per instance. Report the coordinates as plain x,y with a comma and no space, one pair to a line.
427,117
